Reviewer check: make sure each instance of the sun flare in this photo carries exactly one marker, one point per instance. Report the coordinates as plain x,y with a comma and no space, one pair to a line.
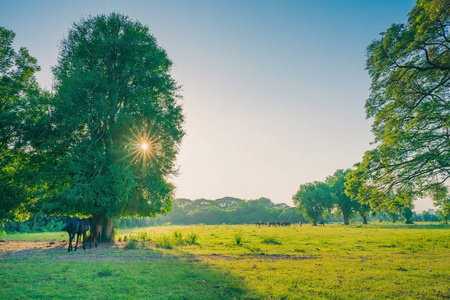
141,147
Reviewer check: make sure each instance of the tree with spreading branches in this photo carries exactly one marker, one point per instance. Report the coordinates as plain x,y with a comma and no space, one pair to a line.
410,104
116,124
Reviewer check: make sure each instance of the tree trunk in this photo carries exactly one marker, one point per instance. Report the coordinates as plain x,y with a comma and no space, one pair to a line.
314,222
108,225
107,228
345,216
364,219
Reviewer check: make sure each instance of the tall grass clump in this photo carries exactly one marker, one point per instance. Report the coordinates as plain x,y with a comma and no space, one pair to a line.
270,240
163,241
132,243
192,239
177,237
238,237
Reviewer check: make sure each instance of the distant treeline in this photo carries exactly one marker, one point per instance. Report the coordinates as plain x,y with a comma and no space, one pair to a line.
226,210
231,211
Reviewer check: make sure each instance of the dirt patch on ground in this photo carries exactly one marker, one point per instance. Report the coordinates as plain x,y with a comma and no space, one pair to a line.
28,248
15,246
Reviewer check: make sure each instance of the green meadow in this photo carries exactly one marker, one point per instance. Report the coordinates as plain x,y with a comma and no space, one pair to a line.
375,261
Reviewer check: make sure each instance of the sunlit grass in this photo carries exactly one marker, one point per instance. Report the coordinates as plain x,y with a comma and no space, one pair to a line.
375,261
342,262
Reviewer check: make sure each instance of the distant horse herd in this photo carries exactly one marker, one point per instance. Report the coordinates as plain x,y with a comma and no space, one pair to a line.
281,223
80,227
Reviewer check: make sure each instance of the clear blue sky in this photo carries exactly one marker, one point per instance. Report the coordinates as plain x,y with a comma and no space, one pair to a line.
274,91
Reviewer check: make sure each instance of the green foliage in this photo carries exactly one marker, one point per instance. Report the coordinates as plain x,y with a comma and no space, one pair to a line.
113,92
132,243
407,215
19,113
144,236
409,67
445,208
238,236
177,237
313,200
344,204
167,241
38,222
220,211
192,239
164,241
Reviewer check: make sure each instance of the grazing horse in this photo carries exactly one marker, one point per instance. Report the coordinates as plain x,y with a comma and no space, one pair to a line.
76,227
96,232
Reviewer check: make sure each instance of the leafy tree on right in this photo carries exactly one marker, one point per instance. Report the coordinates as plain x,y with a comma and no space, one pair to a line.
409,102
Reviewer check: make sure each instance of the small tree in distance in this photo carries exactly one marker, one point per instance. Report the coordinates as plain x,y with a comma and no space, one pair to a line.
343,203
313,200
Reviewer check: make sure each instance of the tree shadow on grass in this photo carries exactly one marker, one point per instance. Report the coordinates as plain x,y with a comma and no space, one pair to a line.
113,272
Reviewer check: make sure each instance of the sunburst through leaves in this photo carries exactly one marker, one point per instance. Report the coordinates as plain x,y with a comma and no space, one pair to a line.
141,147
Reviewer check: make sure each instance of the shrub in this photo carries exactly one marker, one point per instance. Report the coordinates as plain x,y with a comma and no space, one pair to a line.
177,238
144,236
238,237
163,241
132,244
191,239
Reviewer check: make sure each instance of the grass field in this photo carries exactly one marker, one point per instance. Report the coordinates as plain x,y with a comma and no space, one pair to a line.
375,261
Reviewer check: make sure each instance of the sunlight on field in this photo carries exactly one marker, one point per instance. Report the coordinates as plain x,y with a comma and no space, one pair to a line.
249,262
326,262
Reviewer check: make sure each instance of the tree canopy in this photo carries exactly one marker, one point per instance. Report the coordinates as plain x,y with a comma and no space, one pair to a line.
18,94
313,200
409,102
116,125
342,202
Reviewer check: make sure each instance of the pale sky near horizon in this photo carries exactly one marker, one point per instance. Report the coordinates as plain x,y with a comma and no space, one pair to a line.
273,91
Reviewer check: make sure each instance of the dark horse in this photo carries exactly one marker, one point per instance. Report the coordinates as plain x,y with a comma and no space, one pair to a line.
96,231
76,227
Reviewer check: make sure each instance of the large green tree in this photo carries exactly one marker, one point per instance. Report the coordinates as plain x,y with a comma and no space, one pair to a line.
313,200
343,203
19,94
409,102
116,123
